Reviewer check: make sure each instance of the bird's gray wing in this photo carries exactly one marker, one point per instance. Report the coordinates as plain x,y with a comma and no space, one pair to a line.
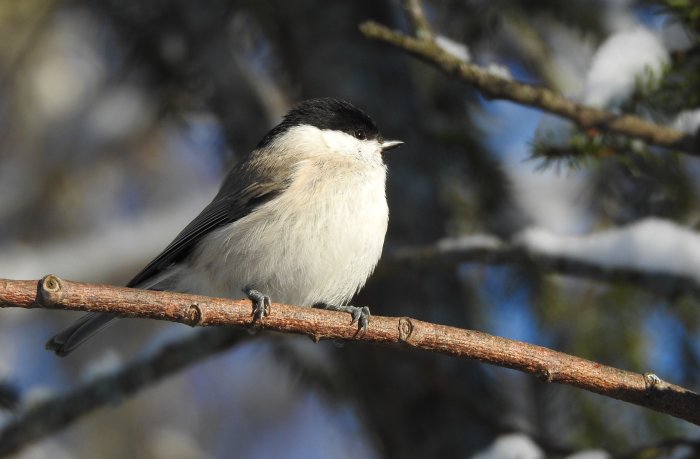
224,209
238,197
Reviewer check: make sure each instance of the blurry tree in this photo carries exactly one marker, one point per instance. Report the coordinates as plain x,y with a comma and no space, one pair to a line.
117,119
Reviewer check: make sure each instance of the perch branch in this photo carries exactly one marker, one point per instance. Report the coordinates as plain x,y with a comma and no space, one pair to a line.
644,390
424,47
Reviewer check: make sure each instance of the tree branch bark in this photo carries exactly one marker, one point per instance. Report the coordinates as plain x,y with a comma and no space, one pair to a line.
424,47
646,390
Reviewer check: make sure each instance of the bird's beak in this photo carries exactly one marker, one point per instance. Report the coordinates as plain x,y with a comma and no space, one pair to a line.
390,144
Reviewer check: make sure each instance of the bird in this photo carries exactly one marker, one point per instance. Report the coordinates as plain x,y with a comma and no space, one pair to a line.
302,219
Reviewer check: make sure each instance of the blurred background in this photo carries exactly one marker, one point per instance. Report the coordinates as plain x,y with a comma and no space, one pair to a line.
118,119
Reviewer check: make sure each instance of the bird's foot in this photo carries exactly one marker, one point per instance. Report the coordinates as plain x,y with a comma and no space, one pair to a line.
360,314
261,303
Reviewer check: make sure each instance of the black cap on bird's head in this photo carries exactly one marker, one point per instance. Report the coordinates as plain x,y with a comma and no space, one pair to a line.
332,114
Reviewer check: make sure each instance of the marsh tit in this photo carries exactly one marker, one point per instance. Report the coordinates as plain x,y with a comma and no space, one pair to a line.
302,220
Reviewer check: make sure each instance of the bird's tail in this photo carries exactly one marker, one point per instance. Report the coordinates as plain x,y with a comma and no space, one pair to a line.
68,339
65,342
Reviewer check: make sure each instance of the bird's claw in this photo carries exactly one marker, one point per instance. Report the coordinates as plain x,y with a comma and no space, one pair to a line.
360,315
261,303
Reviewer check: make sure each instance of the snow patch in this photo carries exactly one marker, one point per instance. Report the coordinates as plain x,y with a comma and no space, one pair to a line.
621,61
551,200
652,245
687,121
590,454
511,446
472,241
626,59
455,48
499,70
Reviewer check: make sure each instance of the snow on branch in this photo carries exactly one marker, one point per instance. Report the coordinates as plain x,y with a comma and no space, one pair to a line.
646,390
654,254
425,47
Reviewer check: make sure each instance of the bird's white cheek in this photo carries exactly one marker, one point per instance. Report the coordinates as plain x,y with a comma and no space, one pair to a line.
347,145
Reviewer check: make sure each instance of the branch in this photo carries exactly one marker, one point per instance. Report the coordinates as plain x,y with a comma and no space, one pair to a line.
644,390
493,251
57,413
414,9
424,47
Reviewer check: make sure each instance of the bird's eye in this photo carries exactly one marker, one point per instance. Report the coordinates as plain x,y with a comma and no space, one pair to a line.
360,134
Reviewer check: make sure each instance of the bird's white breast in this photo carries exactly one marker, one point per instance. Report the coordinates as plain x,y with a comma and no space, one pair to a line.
318,241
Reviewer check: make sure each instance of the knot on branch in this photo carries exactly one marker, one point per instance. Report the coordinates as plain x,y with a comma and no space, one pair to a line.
546,375
651,381
49,290
194,315
405,329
